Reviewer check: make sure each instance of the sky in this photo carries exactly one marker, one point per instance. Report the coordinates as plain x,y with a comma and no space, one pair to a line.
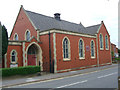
88,12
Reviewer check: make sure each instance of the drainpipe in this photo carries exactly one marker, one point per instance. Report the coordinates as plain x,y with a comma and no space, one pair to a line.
50,52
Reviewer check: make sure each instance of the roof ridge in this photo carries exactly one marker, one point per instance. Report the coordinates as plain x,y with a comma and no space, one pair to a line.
72,22
92,26
39,14
53,17
43,22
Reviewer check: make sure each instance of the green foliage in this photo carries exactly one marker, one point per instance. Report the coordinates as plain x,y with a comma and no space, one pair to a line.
117,58
112,53
20,70
4,40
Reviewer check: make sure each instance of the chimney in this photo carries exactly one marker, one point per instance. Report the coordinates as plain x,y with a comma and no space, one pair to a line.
57,16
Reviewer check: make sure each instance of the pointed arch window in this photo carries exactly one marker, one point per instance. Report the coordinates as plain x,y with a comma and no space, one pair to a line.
106,42
81,49
66,48
92,49
28,35
13,56
101,41
16,37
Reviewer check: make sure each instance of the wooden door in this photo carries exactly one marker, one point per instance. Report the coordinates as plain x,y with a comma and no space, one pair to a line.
32,59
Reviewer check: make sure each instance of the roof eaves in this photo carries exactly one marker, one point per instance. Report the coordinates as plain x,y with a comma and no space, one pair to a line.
99,27
68,31
30,19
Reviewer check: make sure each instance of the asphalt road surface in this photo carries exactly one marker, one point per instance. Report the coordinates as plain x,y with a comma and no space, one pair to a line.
98,79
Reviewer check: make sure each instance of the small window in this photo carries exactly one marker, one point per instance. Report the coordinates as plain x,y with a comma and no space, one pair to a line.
92,49
28,35
101,41
13,56
81,48
106,42
16,37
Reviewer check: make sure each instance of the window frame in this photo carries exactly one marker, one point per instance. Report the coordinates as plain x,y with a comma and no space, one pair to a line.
16,58
14,38
106,42
69,52
83,51
26,35
102,42
93,48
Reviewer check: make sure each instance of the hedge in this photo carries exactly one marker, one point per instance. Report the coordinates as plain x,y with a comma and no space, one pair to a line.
20,70
117,58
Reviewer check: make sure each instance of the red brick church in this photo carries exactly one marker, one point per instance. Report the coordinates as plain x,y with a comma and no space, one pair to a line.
56,45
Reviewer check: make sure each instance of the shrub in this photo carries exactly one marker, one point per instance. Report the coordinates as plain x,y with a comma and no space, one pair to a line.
20,70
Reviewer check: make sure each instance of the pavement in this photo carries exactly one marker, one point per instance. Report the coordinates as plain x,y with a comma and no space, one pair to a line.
106,78
8,82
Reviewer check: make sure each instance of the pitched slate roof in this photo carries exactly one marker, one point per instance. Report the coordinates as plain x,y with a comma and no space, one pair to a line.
43,23
92,29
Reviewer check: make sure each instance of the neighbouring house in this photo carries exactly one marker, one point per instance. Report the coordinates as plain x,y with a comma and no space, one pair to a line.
55,44
114,50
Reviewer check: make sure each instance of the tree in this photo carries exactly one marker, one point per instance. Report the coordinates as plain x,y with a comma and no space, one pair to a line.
4,40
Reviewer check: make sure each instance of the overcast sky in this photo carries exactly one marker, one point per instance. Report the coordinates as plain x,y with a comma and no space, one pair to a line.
88,12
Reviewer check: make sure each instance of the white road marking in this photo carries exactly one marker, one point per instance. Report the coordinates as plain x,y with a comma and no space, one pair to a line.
59,78
72,84
73,71
30,79
107,75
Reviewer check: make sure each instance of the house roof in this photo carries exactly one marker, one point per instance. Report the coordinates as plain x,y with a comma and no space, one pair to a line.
93,29
42,23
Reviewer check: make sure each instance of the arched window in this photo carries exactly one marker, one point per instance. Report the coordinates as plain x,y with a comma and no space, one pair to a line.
101,41
16,37
13,56
66,48
106,42
81,48
28,35
92,49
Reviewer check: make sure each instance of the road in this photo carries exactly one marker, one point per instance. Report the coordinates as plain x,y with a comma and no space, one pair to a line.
98,79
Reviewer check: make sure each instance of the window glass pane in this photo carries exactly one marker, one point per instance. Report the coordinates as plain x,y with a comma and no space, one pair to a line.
13,56
106,41
92,48
13,53
81,52
66,55
101,41
28,35
65,48
81,48
16,37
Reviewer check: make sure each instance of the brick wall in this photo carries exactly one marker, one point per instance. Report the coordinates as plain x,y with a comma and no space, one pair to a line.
74,62
104,55
21,25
